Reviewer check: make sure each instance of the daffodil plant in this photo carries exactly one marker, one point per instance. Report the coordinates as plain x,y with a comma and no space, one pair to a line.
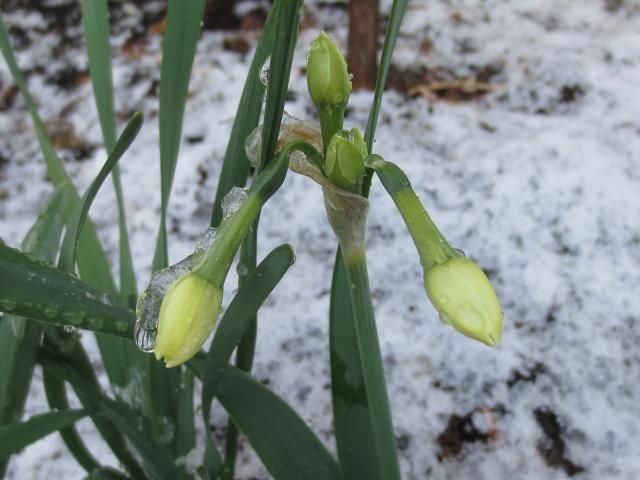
147,417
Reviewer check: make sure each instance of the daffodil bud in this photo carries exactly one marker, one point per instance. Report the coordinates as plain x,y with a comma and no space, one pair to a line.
327,76
344,163
187,316
465,299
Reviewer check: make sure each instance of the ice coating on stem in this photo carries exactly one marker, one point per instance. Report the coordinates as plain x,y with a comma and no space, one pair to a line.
291,129
233,200
150,300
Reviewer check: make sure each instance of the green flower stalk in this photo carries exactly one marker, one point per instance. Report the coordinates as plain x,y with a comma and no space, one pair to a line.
189,309
458,289
329,84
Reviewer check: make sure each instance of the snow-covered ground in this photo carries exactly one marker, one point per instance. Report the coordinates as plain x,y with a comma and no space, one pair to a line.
538,180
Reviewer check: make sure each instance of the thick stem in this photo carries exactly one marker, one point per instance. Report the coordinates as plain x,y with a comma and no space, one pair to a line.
372,365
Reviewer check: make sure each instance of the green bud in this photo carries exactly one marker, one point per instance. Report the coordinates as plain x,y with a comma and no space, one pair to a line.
327,75
465,299
344,162
187,316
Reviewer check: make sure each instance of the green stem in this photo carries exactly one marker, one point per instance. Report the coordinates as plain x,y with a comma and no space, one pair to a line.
372,365
331,120
432,247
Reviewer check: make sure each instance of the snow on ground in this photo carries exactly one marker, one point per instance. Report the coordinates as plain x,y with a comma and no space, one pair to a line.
536,180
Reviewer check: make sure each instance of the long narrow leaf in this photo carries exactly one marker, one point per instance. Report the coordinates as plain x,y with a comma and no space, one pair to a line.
391,35
20,338
238,316
92,261
95,18
156,459
15,436
69,245
351,412
181,37
282,440
61,298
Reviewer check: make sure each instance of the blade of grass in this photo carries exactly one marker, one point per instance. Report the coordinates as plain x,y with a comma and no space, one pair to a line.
15,436
351,411
70,244
286,20
19,338
95,18
62,298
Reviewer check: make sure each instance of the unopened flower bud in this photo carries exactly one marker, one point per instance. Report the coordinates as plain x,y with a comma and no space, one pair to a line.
187,316
465,299
327,76
344,163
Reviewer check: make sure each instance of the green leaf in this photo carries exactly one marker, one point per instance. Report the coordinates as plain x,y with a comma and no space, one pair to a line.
69,245
19,338
15,436
92,261
351,413
95,18
180,40
37,290
282,440
156,459
372,366
391,35
242,309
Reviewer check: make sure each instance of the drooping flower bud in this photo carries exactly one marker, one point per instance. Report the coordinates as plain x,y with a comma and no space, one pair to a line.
187,315
465,299
344,163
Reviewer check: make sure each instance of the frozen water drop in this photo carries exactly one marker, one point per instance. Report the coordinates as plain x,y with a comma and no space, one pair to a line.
445,319
242,270
264,72
69,329
460,252
233,200
346,134
205,242
351,77
253,146
8,304
74,318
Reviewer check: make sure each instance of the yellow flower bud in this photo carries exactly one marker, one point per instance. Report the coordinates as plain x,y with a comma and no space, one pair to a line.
187,315
465,299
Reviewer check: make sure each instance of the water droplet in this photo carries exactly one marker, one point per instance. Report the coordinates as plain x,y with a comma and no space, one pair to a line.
443,300
233,200
122,326
74,318
253,146
346,134
351,77
69,329
50,312
8,304
95,323
242,270
264,72
460,252
306,59
444,318
203,245
106,299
